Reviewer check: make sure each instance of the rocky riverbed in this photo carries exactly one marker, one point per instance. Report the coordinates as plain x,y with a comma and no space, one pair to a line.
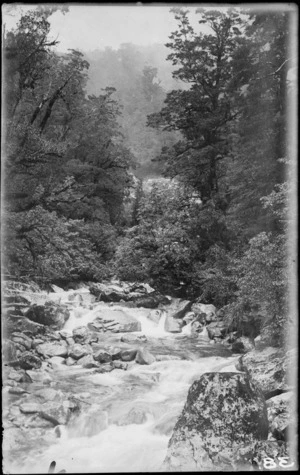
117,377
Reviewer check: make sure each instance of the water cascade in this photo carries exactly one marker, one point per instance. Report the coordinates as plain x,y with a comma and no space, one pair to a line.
127,416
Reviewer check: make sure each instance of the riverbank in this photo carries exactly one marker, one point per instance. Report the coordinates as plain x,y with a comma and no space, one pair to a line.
109,377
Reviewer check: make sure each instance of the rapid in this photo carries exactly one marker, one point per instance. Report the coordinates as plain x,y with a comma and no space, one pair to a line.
127,417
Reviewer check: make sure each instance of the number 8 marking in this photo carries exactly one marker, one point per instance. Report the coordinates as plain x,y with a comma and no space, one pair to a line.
269,463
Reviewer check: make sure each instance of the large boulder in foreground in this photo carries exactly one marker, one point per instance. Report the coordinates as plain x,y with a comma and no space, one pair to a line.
51,314
269,368
223,413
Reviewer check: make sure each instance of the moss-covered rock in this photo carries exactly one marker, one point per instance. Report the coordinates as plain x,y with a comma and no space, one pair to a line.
223,412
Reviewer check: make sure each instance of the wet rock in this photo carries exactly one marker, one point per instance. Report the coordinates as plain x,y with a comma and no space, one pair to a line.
120,365
17,390
108,292
133,338
280,410
117,321
9,350
243,344
70,341
30,407
115,353
173,325
51,314
26,378
49,394
63,334
182,307
152,301
269,368
39,376
223,412
209,310
253,456
29,361
189,317
128,355
80,334
70,361
24,340
105,368
154,315
87,362
49,349
57,413
56,361
77,351
23,324
102,356
15,375
216,330
36,342
143,356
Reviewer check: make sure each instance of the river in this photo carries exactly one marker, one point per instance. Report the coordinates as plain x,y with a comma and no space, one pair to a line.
128,416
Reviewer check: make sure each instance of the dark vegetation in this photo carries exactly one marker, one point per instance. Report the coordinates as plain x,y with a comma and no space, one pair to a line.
72,147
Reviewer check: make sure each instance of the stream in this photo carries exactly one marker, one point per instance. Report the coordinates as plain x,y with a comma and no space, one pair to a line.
128,416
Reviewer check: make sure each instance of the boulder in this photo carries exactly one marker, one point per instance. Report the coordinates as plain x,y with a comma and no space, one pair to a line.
49,349
108,292
58,413
9,350
154,315
269,368
102,356
29,361
30,407
49,394
280,411
189,317
51,314
120,365
80,334
87,362
70,361
128,355
216,330
116,321
36,342
182,307
22,339
152,300
133,338
115,353
173,325
143,356
105,368
56,361
77,351
24,325
210,311
244,344
223,413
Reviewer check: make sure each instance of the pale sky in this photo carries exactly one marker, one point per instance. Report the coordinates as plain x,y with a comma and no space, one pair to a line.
89,27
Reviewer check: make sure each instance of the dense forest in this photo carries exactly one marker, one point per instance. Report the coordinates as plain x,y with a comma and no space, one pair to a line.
79,144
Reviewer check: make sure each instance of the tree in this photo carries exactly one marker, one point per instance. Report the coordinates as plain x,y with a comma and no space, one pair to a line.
203,112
